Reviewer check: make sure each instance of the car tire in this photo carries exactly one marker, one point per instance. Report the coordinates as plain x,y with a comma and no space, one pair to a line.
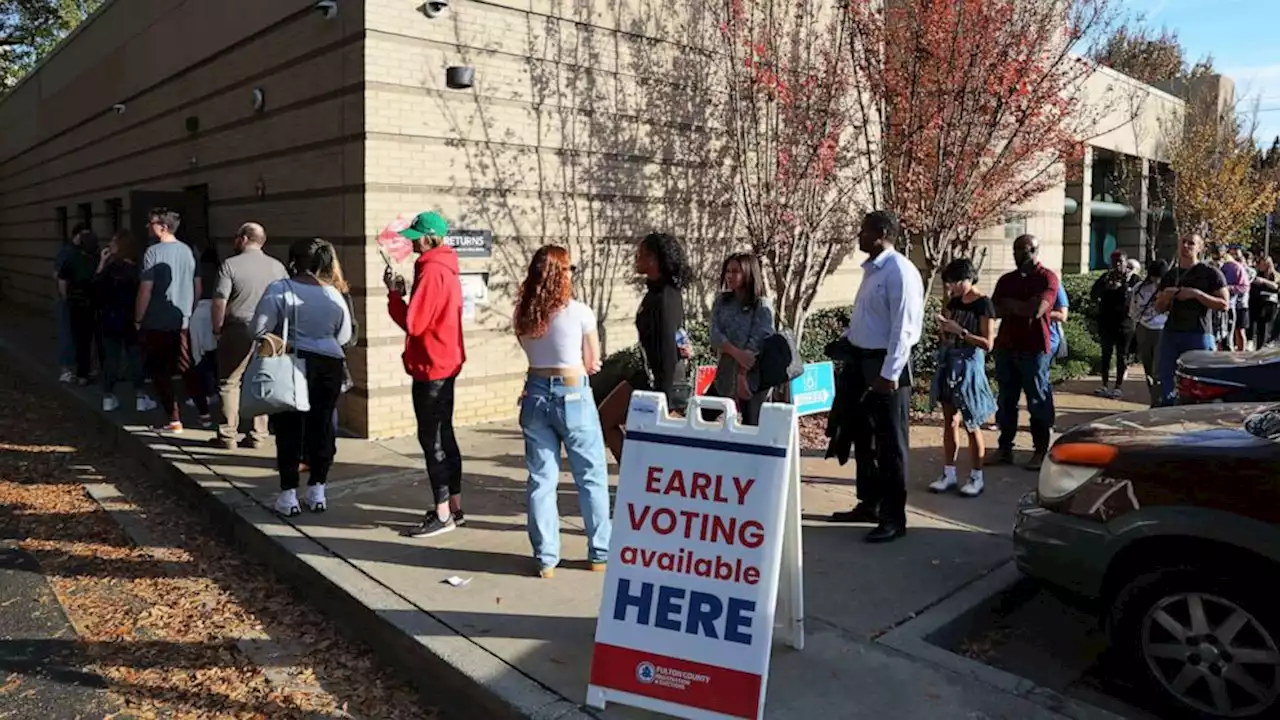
1188,675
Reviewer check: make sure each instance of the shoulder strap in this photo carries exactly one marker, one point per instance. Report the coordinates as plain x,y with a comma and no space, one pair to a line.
284,298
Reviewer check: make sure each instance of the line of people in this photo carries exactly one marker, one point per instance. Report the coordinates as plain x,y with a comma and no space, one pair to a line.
560,339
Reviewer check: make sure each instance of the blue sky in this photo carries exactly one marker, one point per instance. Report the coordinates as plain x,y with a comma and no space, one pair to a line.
1244,38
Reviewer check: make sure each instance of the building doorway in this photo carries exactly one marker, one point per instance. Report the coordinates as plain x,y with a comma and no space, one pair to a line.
191,203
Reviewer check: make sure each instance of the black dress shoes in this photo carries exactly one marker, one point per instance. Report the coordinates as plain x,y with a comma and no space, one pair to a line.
863,513
886,532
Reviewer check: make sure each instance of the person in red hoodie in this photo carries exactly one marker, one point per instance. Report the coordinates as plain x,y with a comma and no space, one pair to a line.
433,357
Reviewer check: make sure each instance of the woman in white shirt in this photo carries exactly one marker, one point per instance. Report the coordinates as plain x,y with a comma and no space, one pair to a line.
1149,323
559,337
319,327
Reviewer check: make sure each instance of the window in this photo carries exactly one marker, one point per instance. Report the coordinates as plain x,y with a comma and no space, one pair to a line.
64,231
115,214
1013,227
84,214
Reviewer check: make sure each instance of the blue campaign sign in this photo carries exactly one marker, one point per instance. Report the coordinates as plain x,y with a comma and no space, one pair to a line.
814,391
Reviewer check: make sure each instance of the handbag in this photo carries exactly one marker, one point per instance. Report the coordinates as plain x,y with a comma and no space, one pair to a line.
276,379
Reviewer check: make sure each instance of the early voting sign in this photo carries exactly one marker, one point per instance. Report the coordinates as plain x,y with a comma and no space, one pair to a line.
814,392
704,517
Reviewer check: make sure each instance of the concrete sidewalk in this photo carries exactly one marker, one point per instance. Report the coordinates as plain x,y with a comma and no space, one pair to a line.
518,646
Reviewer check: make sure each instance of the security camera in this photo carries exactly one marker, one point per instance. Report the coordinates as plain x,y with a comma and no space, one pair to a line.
118,108
327,8
434,8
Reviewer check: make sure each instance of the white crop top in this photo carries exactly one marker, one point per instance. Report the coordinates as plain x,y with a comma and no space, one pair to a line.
561,345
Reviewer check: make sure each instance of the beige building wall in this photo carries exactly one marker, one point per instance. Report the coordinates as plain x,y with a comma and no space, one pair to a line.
297,165
62,144
588,125
584,128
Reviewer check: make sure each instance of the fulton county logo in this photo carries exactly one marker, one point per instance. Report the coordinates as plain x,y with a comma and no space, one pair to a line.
645,672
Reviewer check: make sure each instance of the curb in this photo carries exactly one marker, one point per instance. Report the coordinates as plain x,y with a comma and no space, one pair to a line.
453,672
913,638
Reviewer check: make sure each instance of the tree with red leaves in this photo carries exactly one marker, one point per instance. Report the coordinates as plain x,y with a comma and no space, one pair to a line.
794,126
981,105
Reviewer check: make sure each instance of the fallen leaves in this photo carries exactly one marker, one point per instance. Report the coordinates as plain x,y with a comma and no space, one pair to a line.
186,627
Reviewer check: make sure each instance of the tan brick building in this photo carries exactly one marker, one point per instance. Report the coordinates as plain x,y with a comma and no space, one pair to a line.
582,128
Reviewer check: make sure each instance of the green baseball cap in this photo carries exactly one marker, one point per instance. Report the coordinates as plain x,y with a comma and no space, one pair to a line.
427,223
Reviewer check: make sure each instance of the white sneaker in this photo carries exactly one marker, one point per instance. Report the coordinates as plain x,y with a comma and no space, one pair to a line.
145,403
944,483
1116,394
1103,391
110,403
315,498
974,487
67,377
287,504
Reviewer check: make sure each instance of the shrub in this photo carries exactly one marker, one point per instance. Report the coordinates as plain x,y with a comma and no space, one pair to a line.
619,366
1082,306
1084,355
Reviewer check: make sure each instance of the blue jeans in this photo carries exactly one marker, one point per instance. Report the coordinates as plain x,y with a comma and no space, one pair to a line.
66,343
1018,373
1172,346
552,414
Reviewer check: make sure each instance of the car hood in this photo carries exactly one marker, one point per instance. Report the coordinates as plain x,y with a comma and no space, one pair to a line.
1209,359
1215,425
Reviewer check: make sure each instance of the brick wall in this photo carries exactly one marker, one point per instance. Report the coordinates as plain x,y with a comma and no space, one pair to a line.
61,144
579,131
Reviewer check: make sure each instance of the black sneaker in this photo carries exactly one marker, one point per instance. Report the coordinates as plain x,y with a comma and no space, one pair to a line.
459,518
430,526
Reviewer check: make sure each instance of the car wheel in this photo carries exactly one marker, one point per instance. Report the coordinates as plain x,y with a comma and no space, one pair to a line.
1206,646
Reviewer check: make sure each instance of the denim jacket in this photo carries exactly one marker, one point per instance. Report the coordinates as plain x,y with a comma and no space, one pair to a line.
964,370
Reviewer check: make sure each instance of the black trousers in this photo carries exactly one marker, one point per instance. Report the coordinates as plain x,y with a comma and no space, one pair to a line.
1264,319
881,439
1115,341
433,408
83,319
310,435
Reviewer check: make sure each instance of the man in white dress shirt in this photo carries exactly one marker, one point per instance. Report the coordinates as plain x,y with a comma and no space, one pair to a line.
884,325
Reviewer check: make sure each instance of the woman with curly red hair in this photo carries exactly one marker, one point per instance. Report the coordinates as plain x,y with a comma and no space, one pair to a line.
559,337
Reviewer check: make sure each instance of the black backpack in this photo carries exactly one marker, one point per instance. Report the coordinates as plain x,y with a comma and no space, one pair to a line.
779,361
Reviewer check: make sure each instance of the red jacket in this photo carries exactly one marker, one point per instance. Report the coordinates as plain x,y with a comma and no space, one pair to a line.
432,320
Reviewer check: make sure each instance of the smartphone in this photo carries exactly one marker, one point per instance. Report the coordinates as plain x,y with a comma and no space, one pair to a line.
386,259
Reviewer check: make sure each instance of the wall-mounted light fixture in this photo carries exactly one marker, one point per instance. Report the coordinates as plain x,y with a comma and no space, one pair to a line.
118,108
260,188
259,100
434,8
460,77
328,9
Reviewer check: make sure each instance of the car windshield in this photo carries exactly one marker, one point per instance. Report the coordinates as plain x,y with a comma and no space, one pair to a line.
1264,423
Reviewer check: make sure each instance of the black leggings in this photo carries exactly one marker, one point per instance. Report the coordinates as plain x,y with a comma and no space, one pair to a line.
1115,341
310,434
433,408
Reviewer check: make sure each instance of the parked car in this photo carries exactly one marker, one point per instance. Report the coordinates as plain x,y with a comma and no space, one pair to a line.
1167,522
1207,376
